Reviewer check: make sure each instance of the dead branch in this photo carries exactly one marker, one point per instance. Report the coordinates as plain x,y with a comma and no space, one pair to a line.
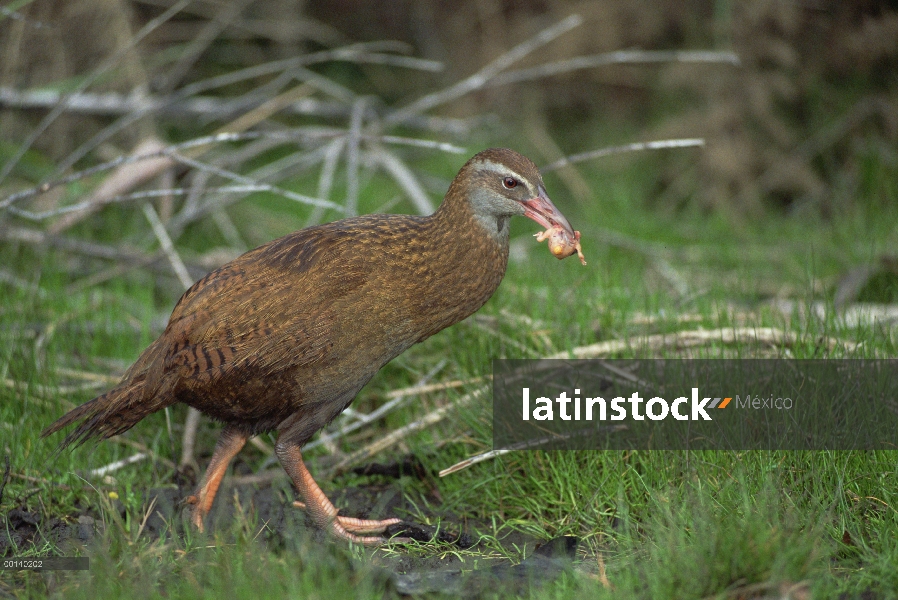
484,75
89,80
699,337
395,402
634,147
167,246
115,466
614,58
394,437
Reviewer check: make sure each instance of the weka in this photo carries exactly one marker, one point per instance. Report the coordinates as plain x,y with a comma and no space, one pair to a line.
284,337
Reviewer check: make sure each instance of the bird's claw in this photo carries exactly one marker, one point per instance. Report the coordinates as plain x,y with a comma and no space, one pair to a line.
347,527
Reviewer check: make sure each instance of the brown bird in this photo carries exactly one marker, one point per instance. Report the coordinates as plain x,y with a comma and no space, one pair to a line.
284,337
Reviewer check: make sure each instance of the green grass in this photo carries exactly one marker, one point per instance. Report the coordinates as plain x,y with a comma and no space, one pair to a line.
661,524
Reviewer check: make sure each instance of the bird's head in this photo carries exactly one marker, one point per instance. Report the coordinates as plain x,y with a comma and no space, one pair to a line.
500,183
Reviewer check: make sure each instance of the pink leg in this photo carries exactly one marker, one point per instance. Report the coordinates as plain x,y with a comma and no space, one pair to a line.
229,444
322,510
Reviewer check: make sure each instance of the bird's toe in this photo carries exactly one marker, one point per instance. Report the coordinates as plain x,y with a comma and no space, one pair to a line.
348,527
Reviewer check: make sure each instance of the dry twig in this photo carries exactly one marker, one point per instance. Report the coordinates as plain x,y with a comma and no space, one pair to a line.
394,437
614,58
395,402
634,147
92,78
484,75
680,339
167,245
115,466
143,449
699,337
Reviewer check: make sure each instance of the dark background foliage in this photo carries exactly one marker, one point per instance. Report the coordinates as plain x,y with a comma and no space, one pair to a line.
816,93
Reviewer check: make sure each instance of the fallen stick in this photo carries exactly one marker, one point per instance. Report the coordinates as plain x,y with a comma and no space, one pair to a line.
683,339
115,466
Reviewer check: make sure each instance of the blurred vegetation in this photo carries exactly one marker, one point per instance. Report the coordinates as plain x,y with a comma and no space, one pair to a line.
793,127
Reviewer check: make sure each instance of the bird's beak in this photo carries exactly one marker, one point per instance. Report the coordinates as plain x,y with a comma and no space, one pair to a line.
541,210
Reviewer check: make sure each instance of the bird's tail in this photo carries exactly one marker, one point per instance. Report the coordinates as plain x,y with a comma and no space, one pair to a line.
116,411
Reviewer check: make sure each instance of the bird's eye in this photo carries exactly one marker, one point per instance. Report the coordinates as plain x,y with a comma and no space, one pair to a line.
509,182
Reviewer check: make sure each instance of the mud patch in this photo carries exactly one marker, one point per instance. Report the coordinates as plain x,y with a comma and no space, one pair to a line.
458,564
22,530
548,562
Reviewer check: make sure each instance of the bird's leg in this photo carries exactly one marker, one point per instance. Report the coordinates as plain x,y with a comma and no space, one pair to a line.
229,444
322,510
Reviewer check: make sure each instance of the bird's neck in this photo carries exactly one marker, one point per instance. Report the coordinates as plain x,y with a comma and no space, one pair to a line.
471,257
456,209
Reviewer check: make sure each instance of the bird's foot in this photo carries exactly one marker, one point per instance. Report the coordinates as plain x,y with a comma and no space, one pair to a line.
196,513
346,528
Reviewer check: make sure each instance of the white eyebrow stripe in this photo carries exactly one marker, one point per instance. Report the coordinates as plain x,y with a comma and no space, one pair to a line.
489,165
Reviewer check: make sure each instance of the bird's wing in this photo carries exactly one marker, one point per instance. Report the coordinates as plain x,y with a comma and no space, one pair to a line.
264,311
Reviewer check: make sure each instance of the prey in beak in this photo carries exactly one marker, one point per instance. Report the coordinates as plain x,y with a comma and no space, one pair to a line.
563,240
